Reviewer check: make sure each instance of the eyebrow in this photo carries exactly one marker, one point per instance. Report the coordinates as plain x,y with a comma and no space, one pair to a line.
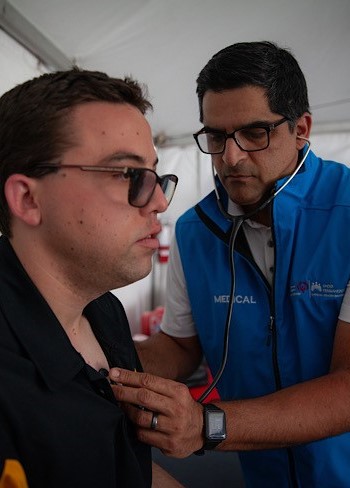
256,123
122,156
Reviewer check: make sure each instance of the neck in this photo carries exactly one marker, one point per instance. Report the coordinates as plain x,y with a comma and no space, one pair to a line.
262,217
66,301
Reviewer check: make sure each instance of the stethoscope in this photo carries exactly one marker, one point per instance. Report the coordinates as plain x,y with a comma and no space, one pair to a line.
237,221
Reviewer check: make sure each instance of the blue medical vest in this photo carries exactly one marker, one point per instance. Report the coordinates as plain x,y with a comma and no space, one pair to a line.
283,335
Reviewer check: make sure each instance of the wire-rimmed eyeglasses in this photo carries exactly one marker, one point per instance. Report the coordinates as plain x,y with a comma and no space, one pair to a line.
250,139
143,181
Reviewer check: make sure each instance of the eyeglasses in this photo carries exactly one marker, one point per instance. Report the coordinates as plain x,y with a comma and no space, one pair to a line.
143,181
250,139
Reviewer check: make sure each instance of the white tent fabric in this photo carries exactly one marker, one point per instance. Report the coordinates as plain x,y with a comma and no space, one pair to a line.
17,63
165,43
334,146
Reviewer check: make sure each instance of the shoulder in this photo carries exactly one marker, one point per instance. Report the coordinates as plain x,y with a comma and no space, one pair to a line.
329,168
193,220
330,182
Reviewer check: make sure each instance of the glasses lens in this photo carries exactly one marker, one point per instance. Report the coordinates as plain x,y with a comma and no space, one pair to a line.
142,185
253,139
168,185
211,142
250,139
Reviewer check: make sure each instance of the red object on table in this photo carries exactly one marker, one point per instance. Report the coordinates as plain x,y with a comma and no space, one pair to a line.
150,321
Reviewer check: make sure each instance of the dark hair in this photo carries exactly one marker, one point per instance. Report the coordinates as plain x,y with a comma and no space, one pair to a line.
261,64
34,119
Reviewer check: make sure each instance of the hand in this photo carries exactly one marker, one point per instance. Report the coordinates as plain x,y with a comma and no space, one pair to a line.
177,430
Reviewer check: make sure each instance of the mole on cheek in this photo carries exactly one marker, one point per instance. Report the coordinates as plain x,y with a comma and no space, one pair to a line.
81,221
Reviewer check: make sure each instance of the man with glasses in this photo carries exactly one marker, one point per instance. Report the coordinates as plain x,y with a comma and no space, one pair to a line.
78,217
285,383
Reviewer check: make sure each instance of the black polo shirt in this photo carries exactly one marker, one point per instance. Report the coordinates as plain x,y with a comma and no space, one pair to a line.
58,415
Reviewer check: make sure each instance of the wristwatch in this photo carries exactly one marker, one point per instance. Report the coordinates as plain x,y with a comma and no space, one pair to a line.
214,427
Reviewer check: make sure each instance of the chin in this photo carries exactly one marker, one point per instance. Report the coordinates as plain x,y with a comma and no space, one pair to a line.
141,272
247,202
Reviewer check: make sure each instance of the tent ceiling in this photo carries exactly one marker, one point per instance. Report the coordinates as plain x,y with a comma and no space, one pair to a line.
165,43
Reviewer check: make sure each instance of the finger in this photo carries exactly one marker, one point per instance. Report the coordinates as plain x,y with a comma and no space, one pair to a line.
172,416
159,434
144,380
170,445
147,399
156,437
141,417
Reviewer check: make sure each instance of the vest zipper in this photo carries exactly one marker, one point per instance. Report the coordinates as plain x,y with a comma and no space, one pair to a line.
273,337
270,329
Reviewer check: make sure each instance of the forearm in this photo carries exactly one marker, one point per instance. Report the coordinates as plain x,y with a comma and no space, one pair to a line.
171,358
302,413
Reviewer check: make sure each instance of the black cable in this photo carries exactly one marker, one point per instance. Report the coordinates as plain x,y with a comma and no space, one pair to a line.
236,224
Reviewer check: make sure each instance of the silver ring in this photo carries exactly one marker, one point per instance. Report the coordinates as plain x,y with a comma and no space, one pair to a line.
154,421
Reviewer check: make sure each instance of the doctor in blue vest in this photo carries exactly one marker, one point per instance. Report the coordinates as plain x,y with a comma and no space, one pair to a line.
258,284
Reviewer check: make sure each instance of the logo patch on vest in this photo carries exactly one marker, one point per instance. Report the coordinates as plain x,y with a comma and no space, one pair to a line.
316,289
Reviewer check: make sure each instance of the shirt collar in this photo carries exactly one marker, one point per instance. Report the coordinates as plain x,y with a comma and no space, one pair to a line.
235,210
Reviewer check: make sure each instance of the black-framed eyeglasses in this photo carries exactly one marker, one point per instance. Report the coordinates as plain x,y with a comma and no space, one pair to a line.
143,181
250,139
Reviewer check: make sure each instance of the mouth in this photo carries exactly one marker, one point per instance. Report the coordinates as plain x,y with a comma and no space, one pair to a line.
234,174
238,177
151,241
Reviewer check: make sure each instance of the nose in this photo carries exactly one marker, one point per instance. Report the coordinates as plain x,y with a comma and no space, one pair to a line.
158,203
233,154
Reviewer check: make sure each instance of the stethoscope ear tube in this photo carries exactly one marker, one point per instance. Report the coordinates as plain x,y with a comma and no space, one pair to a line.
246,216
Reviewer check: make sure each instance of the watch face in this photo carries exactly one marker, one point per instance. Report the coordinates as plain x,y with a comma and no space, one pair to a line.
215,425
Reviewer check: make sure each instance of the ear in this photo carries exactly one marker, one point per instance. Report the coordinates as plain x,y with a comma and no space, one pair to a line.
21,196
303,129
